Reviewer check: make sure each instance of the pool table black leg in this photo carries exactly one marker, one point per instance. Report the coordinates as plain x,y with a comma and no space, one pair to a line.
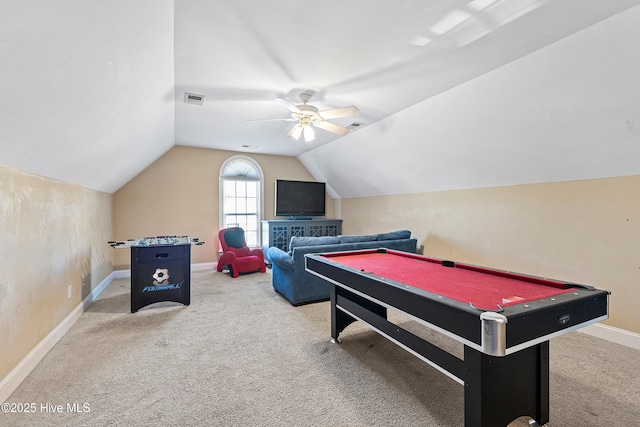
339,319
500,389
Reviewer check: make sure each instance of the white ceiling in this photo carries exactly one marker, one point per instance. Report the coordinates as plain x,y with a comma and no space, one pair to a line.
92,92
86,88
242,54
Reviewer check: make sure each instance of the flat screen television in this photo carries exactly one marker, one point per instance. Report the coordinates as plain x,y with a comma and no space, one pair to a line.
298,199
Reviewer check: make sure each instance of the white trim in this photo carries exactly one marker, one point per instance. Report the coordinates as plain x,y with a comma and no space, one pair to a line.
222,177
616,335
204,266
26,365
24,368
11,382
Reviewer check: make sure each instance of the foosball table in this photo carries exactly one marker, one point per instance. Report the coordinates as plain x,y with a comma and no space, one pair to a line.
160,269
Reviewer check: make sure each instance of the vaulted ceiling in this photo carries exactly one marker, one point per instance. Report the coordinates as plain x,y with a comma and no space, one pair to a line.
93,92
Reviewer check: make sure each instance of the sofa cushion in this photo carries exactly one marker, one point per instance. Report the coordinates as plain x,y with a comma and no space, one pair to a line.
356,239
394,235
297,241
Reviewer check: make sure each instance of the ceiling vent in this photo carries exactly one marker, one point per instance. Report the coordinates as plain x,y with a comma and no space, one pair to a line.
192,98
354,125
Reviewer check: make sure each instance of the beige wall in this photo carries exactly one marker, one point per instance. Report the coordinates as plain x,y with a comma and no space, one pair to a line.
53,235
179,195
581,231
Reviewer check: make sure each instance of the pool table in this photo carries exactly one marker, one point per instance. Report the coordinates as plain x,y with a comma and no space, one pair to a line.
503,319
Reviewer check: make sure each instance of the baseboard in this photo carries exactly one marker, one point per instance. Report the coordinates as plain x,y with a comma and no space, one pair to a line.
204,266
24,368
616,335
20,372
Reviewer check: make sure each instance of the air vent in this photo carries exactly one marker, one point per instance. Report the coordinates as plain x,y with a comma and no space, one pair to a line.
354,125
192,98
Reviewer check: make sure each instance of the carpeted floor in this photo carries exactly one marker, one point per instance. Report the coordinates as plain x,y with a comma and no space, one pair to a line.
241,355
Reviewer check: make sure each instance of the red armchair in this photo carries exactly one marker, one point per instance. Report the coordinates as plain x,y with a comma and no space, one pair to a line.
237,256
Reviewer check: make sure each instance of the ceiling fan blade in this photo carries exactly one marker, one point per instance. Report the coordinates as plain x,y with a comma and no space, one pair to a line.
332,127
289,104
351,110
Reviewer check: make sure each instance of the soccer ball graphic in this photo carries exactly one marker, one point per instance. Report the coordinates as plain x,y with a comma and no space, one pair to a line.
161,276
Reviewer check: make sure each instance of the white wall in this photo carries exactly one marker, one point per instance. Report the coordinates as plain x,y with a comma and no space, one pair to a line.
566,112
86,87
541,160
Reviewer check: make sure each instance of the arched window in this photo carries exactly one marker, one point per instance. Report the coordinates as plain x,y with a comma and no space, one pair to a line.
241,187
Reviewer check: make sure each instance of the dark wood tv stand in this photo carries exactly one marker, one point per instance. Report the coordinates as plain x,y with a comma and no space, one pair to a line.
279,232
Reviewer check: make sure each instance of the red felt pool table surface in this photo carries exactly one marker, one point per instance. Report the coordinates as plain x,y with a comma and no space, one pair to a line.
485,289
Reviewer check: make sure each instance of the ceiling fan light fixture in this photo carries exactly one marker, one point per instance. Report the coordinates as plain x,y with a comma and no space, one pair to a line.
307,115
309,134
296,132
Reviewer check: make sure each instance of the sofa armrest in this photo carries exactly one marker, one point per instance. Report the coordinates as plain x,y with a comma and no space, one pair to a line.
280,258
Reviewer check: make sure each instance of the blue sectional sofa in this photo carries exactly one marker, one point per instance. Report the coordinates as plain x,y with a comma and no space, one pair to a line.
292,281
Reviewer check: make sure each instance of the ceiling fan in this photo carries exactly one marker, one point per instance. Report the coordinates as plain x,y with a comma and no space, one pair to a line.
307,115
